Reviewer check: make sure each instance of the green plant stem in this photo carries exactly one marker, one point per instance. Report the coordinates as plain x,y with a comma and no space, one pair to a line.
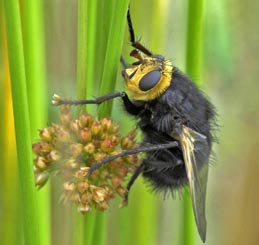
99,231
82,46
117,17
89,220
22,123
85,81
9,173
91,38
83,86
36,89
86,49
78,229
105,10
194,40
193,69
113,52
189,230
34,54
89,228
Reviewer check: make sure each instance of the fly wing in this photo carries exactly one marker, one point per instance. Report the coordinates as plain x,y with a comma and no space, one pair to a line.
196,153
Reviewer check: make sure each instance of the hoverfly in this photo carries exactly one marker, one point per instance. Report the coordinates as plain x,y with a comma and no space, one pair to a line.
176,120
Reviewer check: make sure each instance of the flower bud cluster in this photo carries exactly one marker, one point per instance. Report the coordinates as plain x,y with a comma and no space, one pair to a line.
69,148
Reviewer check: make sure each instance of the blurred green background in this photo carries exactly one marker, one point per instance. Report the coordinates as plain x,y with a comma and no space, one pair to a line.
230,71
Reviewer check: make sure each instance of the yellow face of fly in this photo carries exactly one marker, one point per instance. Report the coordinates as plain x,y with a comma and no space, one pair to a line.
149,78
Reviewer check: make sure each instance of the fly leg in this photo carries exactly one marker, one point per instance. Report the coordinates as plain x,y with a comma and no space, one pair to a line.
57,101
128,104
142,148
139,170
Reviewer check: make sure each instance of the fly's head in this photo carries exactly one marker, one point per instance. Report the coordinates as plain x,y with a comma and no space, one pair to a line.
147,78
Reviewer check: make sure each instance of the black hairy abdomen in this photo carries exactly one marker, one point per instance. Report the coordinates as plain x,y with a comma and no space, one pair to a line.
161,121
165,169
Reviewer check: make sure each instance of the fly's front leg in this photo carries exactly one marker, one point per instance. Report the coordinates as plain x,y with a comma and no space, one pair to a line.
129,106
57,100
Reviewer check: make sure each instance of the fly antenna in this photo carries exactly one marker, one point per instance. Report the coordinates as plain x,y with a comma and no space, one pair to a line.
133,41
131,30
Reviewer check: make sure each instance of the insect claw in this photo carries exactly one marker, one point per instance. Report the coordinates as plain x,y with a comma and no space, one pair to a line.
123,94
84,172
124,201
56,100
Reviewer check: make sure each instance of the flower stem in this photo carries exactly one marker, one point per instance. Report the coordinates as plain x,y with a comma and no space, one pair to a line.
22,123
34,55
193,69
113,52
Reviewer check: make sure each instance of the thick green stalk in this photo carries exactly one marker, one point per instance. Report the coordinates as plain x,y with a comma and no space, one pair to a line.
91,38
85,81
86,49
193,69
100,228
22,123
36,88
113,52
89,226
103,22
82,46
189,230
78,229
82,87
10,205
194,40
34,54
108,81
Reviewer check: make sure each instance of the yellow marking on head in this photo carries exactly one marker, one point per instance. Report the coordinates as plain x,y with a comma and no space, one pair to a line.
135,73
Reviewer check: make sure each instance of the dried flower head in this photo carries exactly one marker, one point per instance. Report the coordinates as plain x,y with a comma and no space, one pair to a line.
68,150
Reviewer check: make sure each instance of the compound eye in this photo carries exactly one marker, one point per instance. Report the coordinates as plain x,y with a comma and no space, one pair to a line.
158,56
149,80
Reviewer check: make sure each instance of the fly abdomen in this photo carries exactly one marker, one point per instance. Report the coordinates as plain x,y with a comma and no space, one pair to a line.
165,170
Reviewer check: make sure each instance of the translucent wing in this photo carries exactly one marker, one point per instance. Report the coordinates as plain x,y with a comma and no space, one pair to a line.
196,153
